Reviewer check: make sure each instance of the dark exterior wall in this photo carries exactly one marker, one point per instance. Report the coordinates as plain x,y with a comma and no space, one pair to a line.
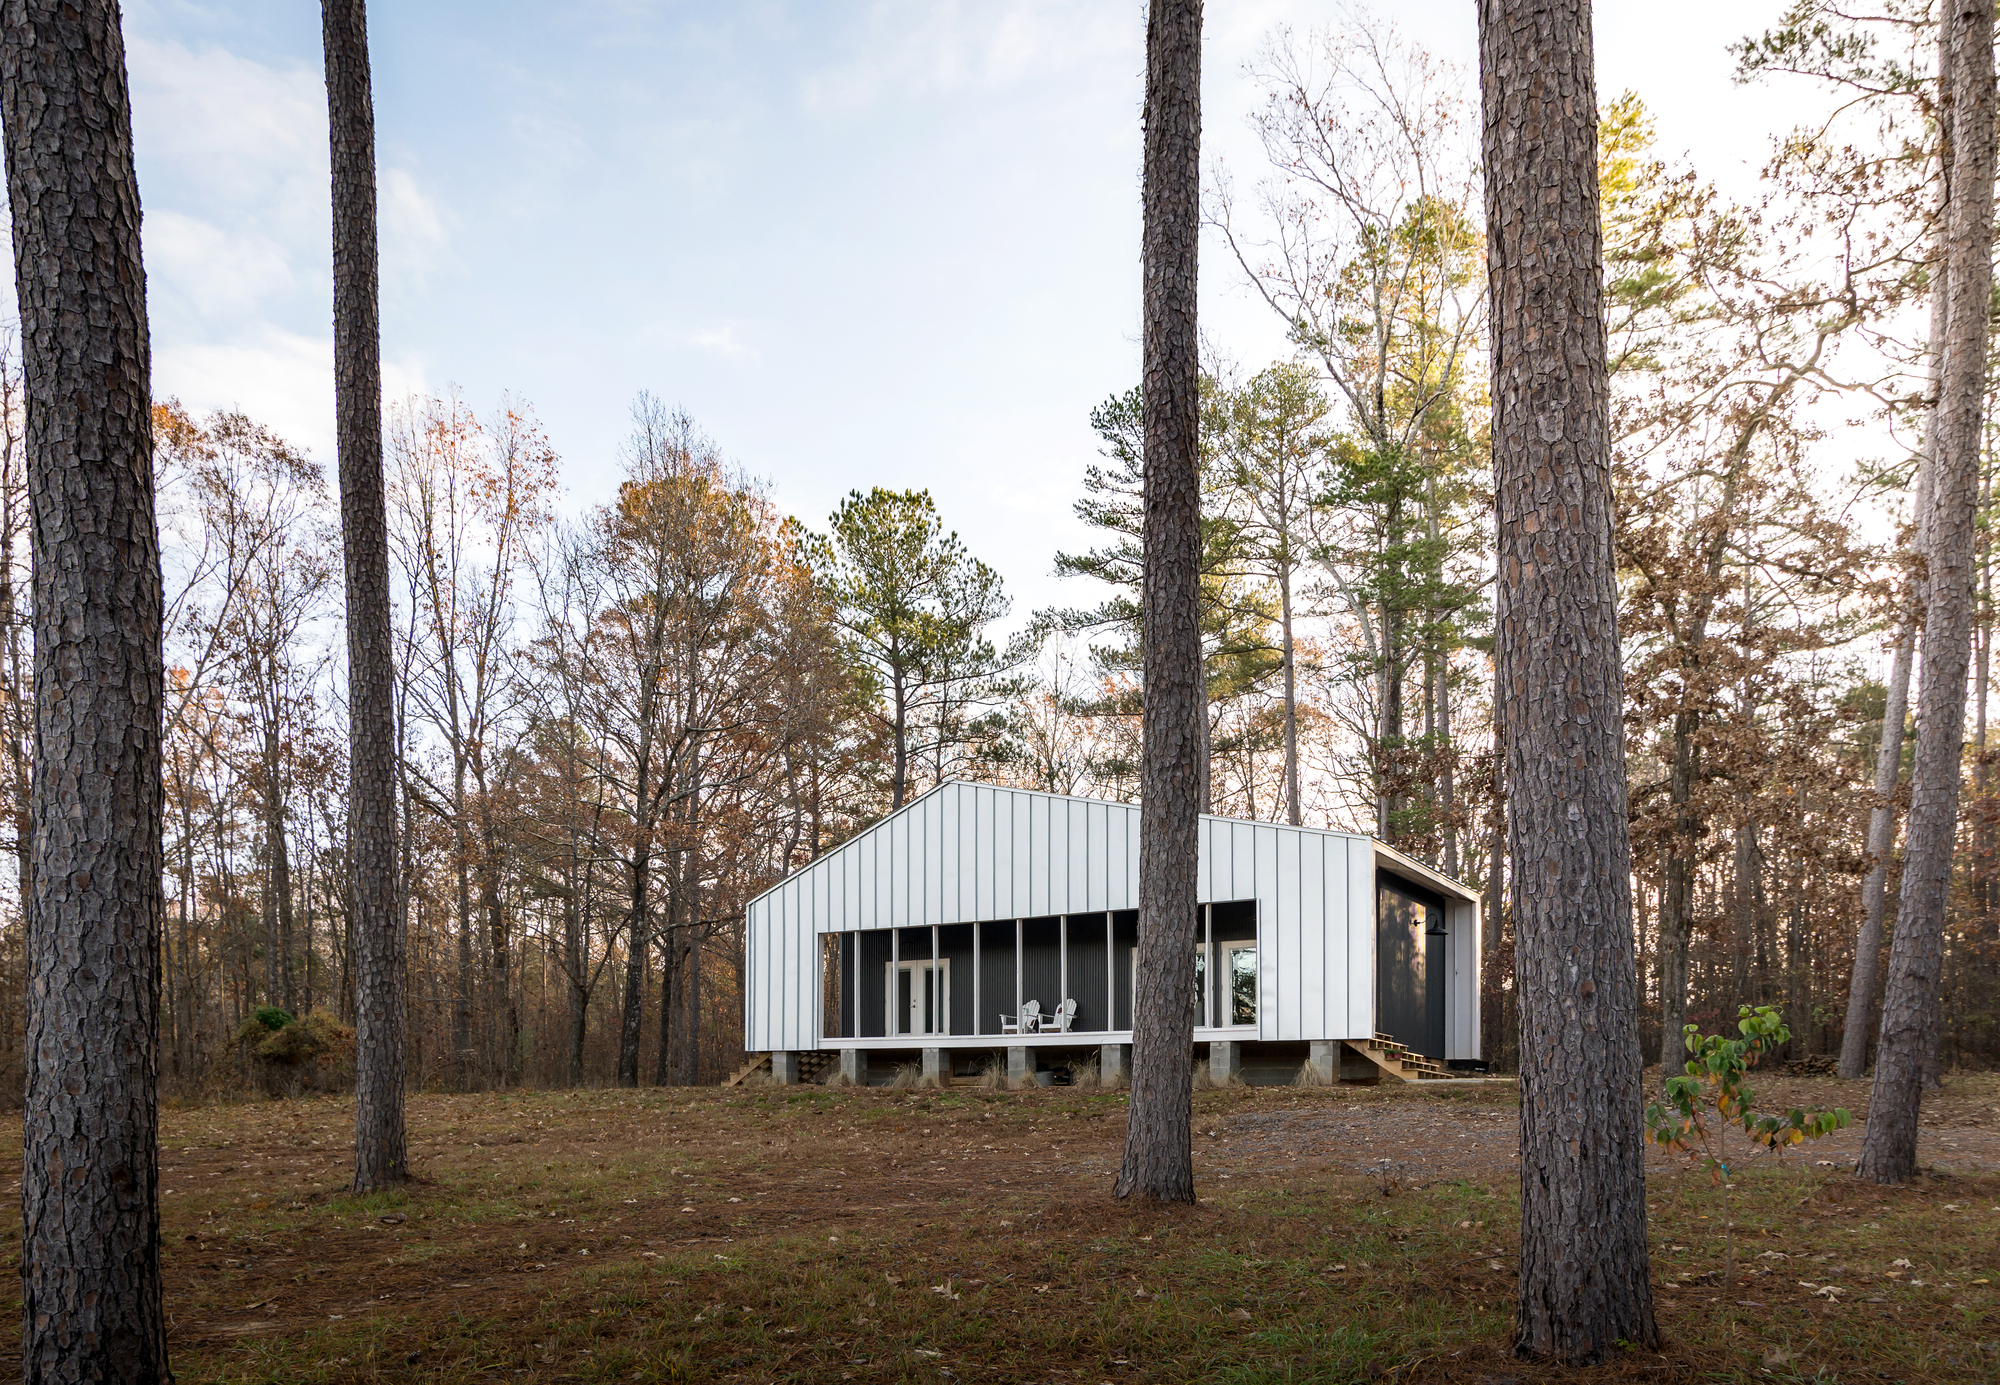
871,975
1409,964
1041,966
1088,971
1126,928
955,945
996,979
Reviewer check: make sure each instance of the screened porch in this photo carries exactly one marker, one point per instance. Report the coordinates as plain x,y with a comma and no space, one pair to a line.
974,981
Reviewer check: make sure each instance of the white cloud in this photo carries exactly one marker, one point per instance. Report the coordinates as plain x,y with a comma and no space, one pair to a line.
912,49
226,272
722,342
229,132
282,379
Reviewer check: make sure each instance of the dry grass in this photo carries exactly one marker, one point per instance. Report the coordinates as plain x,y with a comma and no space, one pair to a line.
808,1235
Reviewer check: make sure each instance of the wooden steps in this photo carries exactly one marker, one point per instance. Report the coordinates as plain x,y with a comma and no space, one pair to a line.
1398,1061
813,1065
759,1062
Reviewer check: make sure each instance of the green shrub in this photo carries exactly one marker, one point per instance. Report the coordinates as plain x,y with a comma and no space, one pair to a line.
271,1017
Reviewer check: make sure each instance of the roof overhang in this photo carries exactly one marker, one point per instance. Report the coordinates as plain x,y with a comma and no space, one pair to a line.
1410,866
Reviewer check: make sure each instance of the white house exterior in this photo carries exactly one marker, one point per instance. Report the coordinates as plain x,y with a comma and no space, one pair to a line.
928,933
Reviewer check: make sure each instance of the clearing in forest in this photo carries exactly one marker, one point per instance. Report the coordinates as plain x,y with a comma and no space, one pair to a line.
807,1234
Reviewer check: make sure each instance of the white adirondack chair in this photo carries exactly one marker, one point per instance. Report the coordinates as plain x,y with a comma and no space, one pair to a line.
1060,1017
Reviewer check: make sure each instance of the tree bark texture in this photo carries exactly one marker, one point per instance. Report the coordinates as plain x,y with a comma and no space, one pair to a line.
1159,1156
1910,993
1584,1282
1881,842
380,1154
90,1241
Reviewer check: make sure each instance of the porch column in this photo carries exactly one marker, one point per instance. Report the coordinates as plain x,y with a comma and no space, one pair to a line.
850,1066
1019,999
1222,1062
1207,967
785,1068
1113,1067
1019,1074
1110,975
1323,1061
935,1068
1062,951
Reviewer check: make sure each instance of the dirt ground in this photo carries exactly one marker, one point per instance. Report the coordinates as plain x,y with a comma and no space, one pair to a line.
804,1234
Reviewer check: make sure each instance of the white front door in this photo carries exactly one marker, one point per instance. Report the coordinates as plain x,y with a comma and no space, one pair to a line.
920,997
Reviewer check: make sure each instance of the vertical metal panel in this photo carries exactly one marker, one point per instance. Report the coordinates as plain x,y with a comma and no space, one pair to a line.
774,976
1290,924
850,883
1097,816
1204,863
1339,926
976,822
964,904
866,851
1020,828
752,927
1360,938
1130,847
1076,847
787,991
928,867
1461,995
1243,860
1314,925
1274,898
940,862
1039,865
898,878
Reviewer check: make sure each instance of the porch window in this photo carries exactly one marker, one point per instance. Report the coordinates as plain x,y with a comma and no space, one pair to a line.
1242,976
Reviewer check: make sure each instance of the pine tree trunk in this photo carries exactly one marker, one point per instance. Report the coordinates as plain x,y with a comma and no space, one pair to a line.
1447,787
638,940
1159,1156
380,1152
1743,917
1910,1023
1677,894
90,1239
1881,842
1292,796
1584,1281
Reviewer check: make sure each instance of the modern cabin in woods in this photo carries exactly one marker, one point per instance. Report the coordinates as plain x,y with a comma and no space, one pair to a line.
981,924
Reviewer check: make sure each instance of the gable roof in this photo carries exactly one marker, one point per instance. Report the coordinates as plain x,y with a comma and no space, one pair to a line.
965,851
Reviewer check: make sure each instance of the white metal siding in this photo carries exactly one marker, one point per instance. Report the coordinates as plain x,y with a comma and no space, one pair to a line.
1360,970
969,852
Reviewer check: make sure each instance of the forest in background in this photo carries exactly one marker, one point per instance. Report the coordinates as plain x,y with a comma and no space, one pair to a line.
619,723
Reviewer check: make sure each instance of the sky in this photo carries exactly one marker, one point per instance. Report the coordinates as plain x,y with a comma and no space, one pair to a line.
860,242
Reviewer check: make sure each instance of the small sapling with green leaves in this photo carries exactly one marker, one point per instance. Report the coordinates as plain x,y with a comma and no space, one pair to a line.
1716,1068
